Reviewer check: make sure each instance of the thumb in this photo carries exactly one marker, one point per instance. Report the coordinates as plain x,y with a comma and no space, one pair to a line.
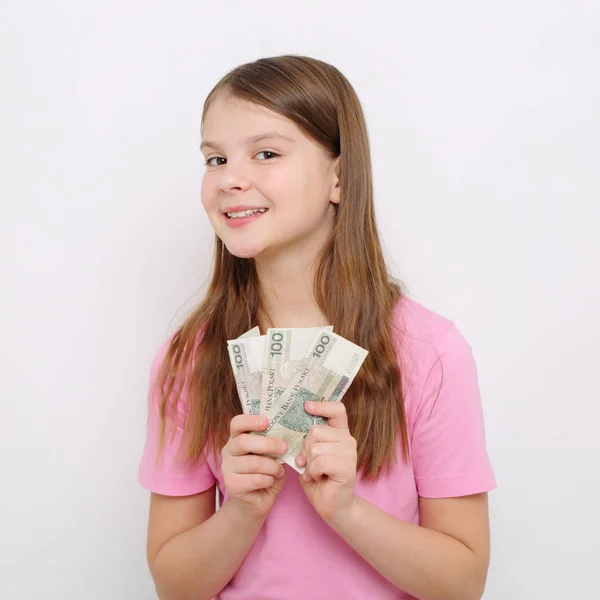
301,458
279,482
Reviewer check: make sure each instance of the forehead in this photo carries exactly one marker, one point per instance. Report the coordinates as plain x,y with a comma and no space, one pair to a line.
229,120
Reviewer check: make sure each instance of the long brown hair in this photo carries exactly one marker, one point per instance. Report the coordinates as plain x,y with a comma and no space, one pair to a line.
352,285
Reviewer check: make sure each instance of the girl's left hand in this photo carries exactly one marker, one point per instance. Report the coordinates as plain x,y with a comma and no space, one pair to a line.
329,454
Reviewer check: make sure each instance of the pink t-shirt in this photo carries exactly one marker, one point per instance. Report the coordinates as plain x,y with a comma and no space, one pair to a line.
296,555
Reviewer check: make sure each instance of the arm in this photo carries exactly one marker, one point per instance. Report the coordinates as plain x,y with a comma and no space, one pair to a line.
199,560
444,559
194,551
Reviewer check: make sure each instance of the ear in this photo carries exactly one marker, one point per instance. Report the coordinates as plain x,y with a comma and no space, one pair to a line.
335,194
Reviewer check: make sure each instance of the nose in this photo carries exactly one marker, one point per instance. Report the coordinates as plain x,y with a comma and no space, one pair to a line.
233,177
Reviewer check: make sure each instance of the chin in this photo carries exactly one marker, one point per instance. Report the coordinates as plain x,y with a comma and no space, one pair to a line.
244,250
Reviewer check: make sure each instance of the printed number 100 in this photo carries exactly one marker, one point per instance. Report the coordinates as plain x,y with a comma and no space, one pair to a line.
276,345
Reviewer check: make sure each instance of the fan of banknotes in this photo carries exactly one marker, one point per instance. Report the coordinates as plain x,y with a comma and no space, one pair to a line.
278,372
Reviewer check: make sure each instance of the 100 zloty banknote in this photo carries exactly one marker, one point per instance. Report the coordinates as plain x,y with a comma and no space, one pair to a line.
284,349
325,374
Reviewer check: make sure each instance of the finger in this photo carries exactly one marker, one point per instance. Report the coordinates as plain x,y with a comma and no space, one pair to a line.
301,458
322,466
323,433
324,449
246,443
334,412
253,481
244,423
248,464
319,434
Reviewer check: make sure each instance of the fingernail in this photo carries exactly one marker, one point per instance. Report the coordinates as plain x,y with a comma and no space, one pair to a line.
305,477
309,405
281,472
281,447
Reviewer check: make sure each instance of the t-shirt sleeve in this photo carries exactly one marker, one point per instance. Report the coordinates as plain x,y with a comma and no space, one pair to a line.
172,475
448,444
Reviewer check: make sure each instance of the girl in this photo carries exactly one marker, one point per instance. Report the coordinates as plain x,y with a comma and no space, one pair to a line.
393,501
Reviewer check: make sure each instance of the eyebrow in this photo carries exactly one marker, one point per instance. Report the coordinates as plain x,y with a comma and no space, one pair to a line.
251,140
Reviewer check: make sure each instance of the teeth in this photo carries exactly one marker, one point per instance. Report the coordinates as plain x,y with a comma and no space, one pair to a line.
245,213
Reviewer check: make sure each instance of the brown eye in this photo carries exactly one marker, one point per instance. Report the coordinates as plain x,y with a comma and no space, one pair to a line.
209,164
273,154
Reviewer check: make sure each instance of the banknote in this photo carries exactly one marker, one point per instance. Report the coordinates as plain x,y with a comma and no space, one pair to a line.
324,375
254,332
284,369
284,349
294,441
246,355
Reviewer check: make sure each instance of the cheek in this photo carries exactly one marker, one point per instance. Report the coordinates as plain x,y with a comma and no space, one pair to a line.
207,194
307,199
296,192
277,185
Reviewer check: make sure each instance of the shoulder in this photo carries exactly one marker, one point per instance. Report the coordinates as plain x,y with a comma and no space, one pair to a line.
443,405
160,354
429,345
178,399
420,331
173,474
158,357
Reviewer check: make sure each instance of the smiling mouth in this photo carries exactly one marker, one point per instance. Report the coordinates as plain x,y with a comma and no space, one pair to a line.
245,213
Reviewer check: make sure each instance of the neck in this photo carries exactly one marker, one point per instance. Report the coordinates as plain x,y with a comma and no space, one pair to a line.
286,287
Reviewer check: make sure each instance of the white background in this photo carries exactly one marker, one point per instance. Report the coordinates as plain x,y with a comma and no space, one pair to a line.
485,127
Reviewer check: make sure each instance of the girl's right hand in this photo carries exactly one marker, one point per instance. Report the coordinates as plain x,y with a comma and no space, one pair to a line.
252,480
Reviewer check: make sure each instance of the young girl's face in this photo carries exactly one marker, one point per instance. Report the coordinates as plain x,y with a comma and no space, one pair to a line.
287,176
